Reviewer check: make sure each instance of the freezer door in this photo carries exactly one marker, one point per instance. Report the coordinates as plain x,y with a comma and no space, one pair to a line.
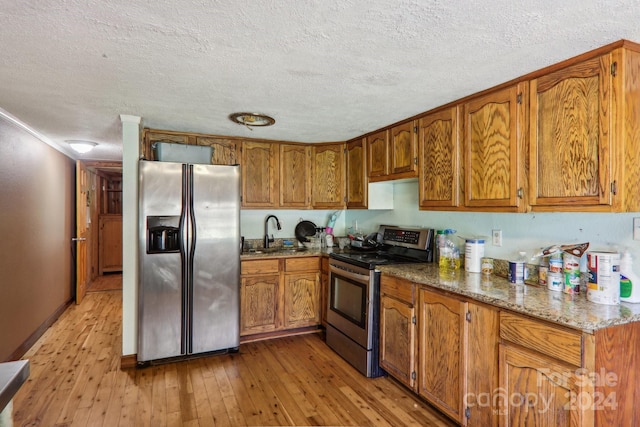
216,258
160,285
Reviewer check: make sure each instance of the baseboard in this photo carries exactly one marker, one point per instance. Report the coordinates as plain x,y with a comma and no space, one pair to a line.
279,334
129,361
29,342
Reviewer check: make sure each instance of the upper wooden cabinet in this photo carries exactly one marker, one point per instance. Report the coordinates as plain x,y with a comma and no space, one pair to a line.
584,136
439,160
327,177
392,154
295,186
403,148
377,152
356,179
494,150
259,174
225,151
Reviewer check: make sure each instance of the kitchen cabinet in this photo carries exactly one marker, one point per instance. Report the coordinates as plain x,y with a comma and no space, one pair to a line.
356,179
225,151
442,343
398,346
110,244
493,132
278,295
442,347
540,373
392,153
328,176
403,146
294,177
259,174
439,160
584,135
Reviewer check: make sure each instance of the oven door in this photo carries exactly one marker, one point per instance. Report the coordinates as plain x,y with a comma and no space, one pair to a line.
351,299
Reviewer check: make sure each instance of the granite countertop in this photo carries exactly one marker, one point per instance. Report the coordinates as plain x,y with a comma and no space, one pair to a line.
568,310
12,376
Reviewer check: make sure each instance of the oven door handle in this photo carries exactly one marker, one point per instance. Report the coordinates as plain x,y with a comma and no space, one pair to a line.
350,275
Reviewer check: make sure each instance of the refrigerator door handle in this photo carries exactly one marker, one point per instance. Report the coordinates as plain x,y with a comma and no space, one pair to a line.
190,257
184,255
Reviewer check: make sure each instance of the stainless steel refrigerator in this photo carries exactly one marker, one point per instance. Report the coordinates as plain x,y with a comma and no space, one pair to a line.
189,262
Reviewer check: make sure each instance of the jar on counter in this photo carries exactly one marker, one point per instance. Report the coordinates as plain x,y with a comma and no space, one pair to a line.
473,253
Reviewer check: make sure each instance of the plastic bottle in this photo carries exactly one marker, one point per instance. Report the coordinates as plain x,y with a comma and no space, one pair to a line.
449,253
629,281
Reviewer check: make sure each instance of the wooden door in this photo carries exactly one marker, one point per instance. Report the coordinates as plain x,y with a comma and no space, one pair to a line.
82,230
398,339
356,175
295,183
570,136
439,182
494,150
403,150
442,354
301,300
259,175
539,391
260,304
110,244
378,154
328,165
225,151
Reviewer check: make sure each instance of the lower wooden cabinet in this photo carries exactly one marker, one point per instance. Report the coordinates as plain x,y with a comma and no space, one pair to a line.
279,294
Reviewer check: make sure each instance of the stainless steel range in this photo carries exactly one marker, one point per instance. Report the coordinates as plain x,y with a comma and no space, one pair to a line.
354,292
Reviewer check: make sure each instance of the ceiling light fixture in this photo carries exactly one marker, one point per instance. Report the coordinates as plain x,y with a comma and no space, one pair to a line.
252,119
80,146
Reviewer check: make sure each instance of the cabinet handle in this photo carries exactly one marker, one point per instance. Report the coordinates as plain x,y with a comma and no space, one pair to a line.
520,193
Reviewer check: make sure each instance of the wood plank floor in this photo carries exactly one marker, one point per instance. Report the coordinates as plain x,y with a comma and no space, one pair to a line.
106,282
76,380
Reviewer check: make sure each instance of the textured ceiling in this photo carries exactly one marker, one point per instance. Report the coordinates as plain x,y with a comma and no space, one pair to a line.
326,70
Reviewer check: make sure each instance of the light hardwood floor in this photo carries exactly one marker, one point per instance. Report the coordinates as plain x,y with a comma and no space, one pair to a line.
76,380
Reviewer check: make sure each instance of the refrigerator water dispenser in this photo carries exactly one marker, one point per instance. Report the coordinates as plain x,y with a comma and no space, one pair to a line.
163,234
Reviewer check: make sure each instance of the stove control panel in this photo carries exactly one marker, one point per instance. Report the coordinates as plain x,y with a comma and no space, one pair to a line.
415,238
401,236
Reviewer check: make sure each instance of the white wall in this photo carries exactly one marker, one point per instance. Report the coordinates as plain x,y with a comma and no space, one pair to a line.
523,231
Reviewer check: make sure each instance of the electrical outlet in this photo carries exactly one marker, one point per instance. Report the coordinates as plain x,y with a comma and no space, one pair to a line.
496,237
636,228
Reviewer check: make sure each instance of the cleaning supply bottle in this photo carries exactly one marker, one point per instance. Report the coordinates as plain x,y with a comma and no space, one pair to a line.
629,281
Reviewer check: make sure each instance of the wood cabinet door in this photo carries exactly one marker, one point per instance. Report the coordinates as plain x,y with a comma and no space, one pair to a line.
494,166
301,300
259,175
356,178
225,151
110,243
259,304
403,149
295,184
439,181
540,391
570,136
377,153
328,184
442,352
398,340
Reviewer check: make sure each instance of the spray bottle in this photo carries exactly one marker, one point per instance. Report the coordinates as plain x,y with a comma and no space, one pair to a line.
629,281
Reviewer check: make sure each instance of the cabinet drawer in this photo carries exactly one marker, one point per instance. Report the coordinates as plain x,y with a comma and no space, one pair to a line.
260,266
556,342
397,288
302,264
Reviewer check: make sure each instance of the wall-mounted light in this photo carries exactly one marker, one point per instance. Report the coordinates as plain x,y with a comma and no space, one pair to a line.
80,146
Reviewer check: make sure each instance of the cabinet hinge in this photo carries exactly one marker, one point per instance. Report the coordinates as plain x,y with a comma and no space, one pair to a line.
614,187
467,413
519,98
415,129
614,68
520,193
413,320
413,375
468,316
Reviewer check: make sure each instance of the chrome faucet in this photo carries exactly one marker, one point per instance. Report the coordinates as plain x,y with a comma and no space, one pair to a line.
267,239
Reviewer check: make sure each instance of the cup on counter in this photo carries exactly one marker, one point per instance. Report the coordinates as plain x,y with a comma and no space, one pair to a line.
343,242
